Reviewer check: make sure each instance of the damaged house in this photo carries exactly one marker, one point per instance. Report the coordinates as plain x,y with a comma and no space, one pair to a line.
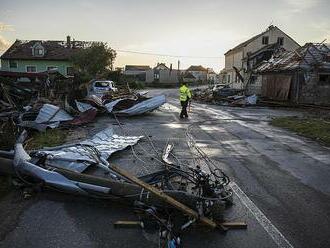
241,59
33,56
301,76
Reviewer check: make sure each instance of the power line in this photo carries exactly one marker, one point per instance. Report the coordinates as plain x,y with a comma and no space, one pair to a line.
167,55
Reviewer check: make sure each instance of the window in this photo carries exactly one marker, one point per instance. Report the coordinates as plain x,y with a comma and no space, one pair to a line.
39,51
228,79
265,40
69,71
324,79
12,64
52,68
280,41
31,68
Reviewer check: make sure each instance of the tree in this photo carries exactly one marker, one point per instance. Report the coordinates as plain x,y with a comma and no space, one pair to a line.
94,60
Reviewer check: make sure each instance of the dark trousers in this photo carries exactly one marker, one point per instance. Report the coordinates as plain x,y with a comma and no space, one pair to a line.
184,105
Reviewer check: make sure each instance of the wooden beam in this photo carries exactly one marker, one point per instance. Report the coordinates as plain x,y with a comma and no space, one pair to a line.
235,225
128,224
165,197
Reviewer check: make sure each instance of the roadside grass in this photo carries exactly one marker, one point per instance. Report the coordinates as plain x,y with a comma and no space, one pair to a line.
49,138
314,128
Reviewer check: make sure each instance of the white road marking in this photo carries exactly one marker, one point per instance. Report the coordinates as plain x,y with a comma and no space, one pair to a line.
273,232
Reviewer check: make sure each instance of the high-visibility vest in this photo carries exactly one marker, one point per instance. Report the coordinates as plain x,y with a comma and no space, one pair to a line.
184,93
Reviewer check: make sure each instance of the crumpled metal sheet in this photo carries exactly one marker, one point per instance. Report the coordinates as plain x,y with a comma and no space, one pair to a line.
82,107
139,108
84,117
79,156
109,106
51,178
52,114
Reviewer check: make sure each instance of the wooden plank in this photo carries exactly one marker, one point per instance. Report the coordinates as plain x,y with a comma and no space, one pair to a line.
165,197
128,224
235,225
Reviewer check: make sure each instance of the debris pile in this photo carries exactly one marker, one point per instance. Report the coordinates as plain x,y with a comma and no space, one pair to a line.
42,103
224,96
173,198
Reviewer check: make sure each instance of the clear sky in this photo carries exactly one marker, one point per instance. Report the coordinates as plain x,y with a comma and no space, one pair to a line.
176,27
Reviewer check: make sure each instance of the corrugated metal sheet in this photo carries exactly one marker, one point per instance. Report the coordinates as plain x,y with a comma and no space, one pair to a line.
79,156
139,108
145,106
82,107
305,57
52,114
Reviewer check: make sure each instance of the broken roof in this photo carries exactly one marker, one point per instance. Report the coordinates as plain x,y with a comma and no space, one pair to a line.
189,75
304,57
196,68
54,50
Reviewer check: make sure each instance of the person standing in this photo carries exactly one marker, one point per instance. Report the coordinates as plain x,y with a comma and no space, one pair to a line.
185,97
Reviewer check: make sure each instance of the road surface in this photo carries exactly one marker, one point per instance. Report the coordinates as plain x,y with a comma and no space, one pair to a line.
281,184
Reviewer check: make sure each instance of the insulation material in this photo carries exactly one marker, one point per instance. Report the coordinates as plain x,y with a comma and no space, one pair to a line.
276,86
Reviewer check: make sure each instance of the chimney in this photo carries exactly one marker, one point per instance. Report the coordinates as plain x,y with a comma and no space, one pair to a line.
68,41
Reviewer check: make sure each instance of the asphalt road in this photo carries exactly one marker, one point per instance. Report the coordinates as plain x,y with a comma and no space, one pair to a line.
281,184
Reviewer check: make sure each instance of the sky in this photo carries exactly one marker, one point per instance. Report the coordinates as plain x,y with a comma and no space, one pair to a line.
194,32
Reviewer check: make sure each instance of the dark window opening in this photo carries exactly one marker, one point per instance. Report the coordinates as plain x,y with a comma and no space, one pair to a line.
324,78
31,69
12,64
280,41
265,40
69,71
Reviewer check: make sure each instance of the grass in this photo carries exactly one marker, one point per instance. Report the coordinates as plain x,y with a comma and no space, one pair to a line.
49,138
314,128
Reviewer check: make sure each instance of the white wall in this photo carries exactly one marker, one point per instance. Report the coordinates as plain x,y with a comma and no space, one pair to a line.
273,34
235,58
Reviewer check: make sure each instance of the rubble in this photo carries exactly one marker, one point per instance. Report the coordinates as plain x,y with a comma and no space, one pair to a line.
174,198
224,96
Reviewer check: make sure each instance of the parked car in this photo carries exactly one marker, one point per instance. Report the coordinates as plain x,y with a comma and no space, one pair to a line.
101,87
217,87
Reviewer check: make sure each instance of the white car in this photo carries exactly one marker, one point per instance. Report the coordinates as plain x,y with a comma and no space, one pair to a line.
101,87
218,87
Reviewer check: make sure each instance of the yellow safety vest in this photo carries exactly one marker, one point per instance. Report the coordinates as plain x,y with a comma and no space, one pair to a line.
184,93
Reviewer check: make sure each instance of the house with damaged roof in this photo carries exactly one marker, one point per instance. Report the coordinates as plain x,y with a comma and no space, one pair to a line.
240,60
301,76
35,56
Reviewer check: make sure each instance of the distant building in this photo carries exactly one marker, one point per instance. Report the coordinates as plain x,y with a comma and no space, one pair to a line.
212,77
247,55
40,56
162,74
199,72
137,71
188,77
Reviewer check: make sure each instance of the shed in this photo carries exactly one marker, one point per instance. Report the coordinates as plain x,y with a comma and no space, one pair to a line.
300,76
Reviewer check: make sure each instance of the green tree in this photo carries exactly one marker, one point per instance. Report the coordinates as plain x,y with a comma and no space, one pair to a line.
94,60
